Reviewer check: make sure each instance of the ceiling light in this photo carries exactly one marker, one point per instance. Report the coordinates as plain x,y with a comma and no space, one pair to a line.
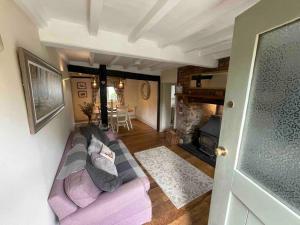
121,85
94,83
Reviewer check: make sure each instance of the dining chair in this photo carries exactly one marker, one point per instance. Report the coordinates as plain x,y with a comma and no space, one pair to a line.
111,120
122,118
129,119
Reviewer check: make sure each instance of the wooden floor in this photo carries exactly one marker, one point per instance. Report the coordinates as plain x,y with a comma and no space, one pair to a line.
164,212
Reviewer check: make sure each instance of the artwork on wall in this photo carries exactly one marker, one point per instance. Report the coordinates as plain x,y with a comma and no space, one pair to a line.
81,85
82,94
43,90
145,90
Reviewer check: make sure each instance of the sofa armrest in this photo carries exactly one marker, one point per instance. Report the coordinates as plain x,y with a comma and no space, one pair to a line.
110,203
59,201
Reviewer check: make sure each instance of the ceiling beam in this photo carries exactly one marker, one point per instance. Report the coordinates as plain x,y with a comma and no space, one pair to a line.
222,13
34,10
219,36
145,65
92,58
114,60
155,66
94,16
216,48
60,34
134,62
158,11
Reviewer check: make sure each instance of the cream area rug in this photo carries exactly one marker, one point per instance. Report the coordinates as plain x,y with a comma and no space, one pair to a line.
179,180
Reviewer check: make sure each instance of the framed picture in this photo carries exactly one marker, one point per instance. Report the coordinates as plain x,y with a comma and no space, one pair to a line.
81,85
43,90
82,94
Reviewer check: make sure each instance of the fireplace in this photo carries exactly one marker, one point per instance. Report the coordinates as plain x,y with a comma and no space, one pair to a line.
205,140
199,108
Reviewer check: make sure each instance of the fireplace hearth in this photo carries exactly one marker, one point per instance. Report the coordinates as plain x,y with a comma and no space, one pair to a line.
205,140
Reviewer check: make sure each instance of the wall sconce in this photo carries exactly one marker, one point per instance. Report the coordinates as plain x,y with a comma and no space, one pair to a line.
94,83
1,44
121,85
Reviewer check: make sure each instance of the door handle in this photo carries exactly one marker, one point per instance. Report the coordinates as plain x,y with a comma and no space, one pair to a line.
221,151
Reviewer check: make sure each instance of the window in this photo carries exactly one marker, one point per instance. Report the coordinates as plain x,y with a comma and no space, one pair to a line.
111,94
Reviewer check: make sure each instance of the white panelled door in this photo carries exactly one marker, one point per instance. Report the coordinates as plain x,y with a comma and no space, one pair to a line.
257,179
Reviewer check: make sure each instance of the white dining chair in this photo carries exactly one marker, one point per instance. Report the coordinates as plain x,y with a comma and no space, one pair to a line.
122,118
111,120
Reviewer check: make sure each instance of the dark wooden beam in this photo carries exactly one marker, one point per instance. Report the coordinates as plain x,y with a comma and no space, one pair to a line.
103,73
83,69
202,77
113,73
103,93
133,76
158,105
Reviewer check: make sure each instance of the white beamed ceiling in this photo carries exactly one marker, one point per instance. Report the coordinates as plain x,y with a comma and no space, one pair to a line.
147,35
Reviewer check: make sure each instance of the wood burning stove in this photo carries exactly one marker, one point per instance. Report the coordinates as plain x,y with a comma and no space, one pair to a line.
209,136
205,140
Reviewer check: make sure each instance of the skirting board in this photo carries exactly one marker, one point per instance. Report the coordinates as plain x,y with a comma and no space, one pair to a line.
146,122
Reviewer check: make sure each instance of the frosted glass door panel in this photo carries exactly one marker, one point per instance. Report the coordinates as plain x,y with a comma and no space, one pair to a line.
270,147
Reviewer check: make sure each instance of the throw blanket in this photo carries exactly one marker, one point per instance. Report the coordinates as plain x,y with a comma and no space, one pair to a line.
75,161
128,169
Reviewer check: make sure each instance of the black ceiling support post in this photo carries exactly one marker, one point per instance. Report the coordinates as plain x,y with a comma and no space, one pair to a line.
158,105
104,73
103,94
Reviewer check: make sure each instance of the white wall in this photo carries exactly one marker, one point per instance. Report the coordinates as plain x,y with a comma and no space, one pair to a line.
167,77
165,106
28,162
131,89
146,110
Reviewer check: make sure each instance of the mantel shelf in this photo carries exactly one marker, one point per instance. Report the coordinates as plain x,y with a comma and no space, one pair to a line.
213,96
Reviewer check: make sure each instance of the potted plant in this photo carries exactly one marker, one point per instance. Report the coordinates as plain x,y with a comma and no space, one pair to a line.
87,109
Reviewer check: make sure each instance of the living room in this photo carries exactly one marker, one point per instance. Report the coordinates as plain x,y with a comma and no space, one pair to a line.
149,112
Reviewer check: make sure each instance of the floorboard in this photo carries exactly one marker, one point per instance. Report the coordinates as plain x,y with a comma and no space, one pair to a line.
143,137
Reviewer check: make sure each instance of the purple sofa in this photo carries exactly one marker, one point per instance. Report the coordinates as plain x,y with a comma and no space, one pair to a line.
128,205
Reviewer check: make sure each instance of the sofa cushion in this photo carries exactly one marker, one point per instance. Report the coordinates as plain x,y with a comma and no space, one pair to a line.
95,145
80,188
101,162
90,130
102,179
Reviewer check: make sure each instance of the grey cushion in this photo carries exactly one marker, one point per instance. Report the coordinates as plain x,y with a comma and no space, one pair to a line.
96,131
103,180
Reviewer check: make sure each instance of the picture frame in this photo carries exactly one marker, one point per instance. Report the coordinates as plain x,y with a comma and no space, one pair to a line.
43,90
145,90
82,94
81,85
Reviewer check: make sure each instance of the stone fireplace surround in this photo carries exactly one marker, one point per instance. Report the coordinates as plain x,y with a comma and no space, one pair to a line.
190,117
192,113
